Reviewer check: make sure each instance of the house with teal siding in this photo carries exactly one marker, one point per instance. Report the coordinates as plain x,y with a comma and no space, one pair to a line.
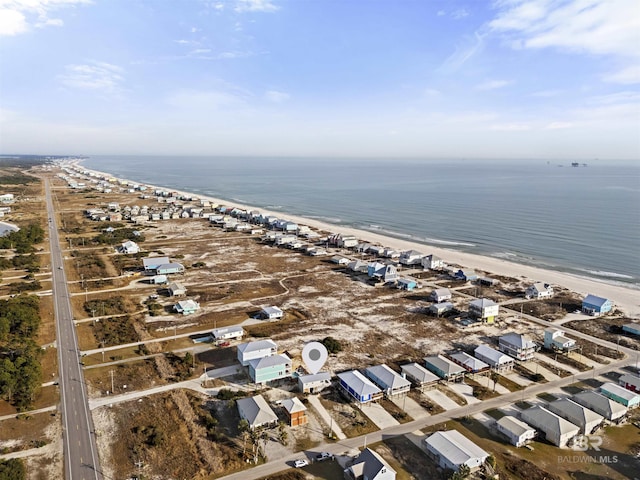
595,306
620,394
267,369
444,368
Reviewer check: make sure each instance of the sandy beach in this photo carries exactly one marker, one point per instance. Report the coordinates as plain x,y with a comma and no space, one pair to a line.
625,298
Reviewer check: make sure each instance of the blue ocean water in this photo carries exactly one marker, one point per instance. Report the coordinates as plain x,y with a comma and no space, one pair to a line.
582,220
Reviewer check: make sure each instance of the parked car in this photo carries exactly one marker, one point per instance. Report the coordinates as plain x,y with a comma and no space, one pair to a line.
323,456
301,463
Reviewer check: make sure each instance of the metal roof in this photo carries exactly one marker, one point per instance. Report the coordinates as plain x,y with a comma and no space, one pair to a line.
619,391
387,378
318,377
594,300
293,405
358,383
492,354
517,340
256,410
154,261
515,426
420,373
547,421
219,332
454,447
566,407
444,365
270,361
482,303
468,361
601,404
256,346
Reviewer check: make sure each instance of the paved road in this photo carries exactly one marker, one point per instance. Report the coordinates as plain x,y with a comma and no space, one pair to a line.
80,454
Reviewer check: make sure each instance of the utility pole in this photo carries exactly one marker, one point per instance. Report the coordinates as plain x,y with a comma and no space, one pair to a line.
112,384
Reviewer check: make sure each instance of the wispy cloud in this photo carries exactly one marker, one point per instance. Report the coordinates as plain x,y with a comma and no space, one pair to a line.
510,127
243,6
17,16
97,76
602,27
275,96
546,93
627,76
465,51
558,125
493,84
459,13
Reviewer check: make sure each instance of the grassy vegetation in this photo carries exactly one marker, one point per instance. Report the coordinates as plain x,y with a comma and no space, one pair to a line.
12,469
115,331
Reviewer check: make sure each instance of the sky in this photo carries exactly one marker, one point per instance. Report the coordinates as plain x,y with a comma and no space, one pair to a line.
549,79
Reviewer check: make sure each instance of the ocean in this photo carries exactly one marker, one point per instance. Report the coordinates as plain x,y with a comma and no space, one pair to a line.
582,220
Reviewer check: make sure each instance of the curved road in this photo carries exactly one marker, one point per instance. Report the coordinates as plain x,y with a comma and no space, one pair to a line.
80,454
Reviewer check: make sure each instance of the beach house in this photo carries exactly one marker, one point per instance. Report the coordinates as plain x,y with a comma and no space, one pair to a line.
588,420
444,368
595,306
407,284
269,368
386,273
610,409
411,257
391,382
632,328
516,431
498,361
368,465
296,411
440,295
271,313
554,339
129,247
186,307
630,382
257,412
469,363
358,387
258,349
418,375
450,449
440,308
432,262
167,268
227,333
517,346
176,289
556,429
484,309
539,290
620,394
466,275
314,383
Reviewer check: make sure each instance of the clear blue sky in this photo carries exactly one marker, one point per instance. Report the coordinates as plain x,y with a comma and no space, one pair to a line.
552,79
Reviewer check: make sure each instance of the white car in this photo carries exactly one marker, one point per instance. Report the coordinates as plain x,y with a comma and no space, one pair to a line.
300,463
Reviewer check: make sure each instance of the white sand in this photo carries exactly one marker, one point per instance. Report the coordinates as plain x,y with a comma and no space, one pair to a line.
625,298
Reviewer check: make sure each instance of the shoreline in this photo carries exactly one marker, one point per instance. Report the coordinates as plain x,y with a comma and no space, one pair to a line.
624,298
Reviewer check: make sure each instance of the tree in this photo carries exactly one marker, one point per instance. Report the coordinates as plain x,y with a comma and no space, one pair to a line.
332,345
12,469
463,472
243,428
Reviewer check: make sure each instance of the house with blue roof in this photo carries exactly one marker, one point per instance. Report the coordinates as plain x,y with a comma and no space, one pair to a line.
594,306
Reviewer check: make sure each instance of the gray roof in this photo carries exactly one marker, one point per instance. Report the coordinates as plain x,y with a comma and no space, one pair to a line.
270,361
630,379
455,447
293,405
444,365
256,410
601,404
565,407
498,358
547,421
272,309
513,425
420,373
255,346
482,303
318,377
441,292
368,464
387,378
468,361
618,391
517,340
173,286
219,332
164,266
154,261
358,383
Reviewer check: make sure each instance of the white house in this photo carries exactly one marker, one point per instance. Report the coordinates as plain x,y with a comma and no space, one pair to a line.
389,381
177,289
517,346
259,349
314,383
484,309
539,290
411,257
129,247
517,432
186,307
609,409
432,262
581,416
271,313
451,450
555,340
440,295
497,361
420,376
256,411
228,333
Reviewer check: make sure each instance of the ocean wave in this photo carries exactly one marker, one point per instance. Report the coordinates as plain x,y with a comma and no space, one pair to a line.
450,242
324,219
602,273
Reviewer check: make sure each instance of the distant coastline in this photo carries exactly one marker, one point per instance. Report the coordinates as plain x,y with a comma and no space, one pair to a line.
625,296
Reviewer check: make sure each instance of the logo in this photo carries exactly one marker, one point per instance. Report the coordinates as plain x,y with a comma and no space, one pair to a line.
583,443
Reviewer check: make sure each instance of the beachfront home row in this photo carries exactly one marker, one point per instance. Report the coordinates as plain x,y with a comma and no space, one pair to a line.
587,420
516,431
450,449
595,306
611,410
419,376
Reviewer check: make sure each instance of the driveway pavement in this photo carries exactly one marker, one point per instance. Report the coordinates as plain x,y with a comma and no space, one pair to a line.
441,399
379,415
465,391
411,407
315,401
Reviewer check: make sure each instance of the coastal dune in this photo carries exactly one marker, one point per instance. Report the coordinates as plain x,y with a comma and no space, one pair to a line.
625,298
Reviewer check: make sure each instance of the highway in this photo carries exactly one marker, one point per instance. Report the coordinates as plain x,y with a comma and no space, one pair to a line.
81,460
